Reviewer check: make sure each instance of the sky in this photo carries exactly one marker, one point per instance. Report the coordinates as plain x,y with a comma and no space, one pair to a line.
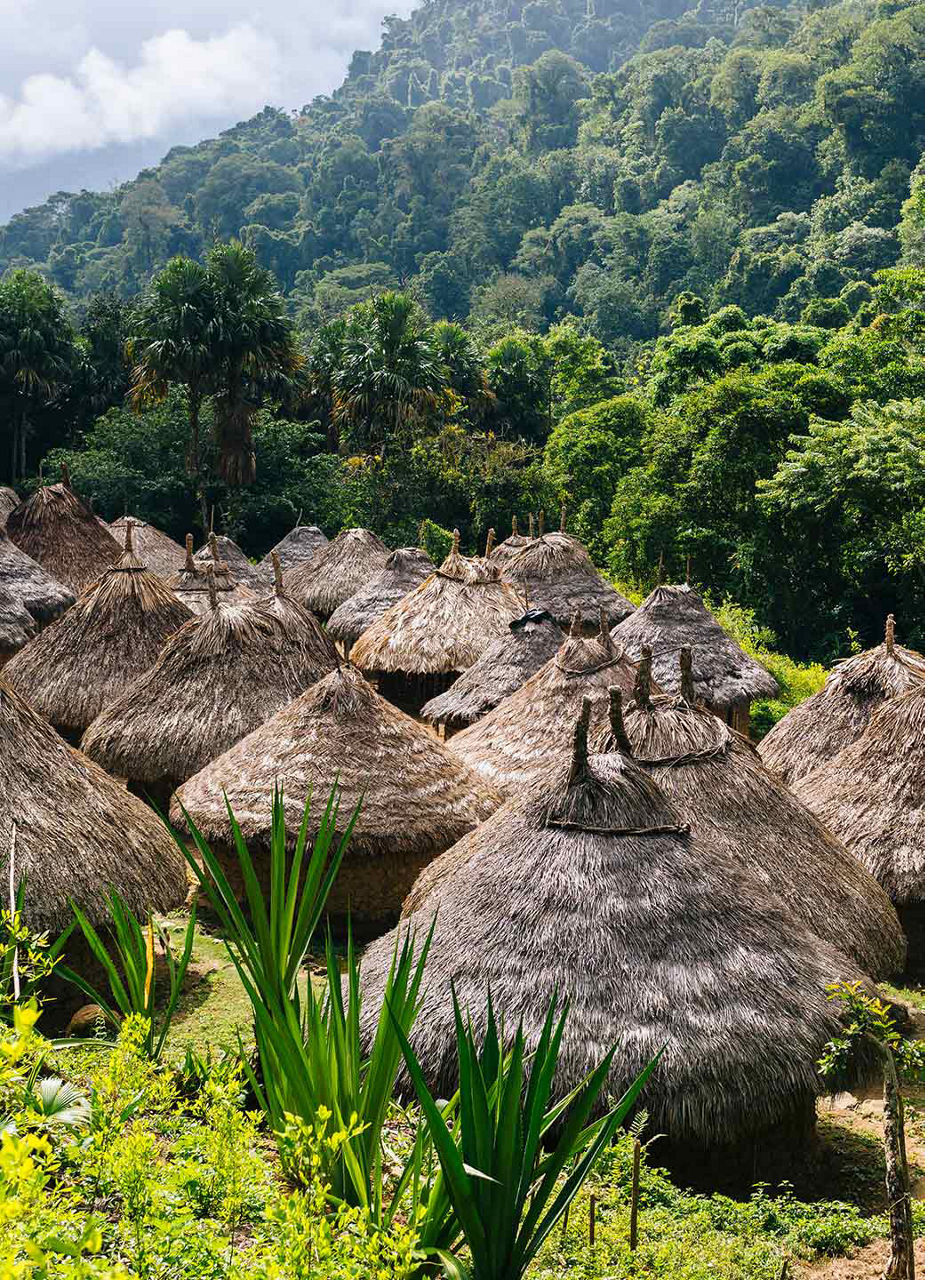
91,91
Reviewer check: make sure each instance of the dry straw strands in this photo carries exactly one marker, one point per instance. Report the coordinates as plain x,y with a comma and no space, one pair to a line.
338,571
17,626
417,797
79,832
156,550
815,731
672,617
43,596
191,583
512,544
507,663
405,569
9,501
558,575
225,555
87,658
64,536
738,808
300,546
299,625
588,887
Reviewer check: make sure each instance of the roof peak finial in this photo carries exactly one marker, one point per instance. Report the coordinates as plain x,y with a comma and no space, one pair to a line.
190,565
277,573
66,476
687,674
489,543
129,548
617,724
213,594
687,571
605,630
661,568
575,629
642,687
531,525
213,548
563,512
212,519
579,763
514,526
455,550
541,522
890,637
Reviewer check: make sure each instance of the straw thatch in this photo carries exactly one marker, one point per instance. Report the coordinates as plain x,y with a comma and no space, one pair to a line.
338,571
9,501
524,737
739,808
418,799
79,832
17,626
507,663
300,626
191,584
588,887
725,677
559,576
86,659
872,796
155,549
36,590
64,536
405,569
515,541
217,678
300,546
814,732
225,554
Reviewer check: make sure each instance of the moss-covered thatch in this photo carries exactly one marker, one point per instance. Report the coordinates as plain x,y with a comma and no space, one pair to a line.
225,555
557,574
300,546
338,571
86,659
872,797
9,501
26,581
55,528
78,831
738,807
507,663
155,549
191,584
814,732
219,677
17,625
725,677
418,799
505,551
405,569
589,887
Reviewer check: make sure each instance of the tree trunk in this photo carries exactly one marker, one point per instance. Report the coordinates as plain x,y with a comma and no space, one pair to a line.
195,460
901,1265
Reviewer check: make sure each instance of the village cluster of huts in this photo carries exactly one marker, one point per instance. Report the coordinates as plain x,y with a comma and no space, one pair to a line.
555,782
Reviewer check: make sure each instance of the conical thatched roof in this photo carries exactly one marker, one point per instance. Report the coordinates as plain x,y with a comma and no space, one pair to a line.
79,832
441,627
507,663
739,808
299,625
225,554
64,536
35,589
814,732
156,550
90,655
515,541
217,678
191,584
417,797
589,887
524,737
338,571
9,501
558,575
872,796
17,626
299,546
405,569
674,617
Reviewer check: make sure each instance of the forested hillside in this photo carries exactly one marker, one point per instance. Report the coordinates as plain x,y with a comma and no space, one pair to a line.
515,161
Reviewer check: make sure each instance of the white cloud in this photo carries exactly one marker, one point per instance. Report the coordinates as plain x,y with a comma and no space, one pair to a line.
104,102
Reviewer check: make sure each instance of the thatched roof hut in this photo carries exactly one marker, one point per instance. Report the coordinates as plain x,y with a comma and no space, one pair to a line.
300,546
78,831
524,737
515,541
589,887
191,584
418,799
225,555
87,658
738,807
216,679
299,625
155,549
421,644
726,678
338,571
814,732
55,528
507,663
557,574
36,590
17,626
405,569
9,501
